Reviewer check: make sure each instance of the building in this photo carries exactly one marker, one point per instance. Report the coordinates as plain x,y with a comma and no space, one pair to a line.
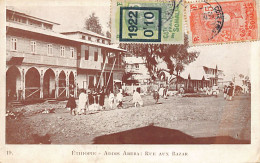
41,63
96,57
196,77
136,66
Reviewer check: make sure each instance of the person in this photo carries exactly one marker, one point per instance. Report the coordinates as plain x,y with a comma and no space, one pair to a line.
161,90
119,98
225,92
71,104
102,99
111,99
156,96
165,91
82,102
182,90
137,99
215,90
230,92
208,91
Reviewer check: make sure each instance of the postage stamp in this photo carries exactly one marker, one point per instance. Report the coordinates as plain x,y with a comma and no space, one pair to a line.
147,21
222,22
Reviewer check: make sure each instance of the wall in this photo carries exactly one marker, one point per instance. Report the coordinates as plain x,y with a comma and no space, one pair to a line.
40,56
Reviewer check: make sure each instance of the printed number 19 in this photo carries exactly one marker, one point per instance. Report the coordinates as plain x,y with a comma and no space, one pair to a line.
132,34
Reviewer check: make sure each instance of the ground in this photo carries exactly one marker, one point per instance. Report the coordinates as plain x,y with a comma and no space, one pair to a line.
176,120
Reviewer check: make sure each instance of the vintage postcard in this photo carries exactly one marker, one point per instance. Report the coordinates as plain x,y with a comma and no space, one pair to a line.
147,21
124,81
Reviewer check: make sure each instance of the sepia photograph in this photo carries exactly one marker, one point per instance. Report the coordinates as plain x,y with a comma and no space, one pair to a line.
130,73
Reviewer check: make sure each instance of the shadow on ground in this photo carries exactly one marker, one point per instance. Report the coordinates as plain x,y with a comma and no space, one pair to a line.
158,135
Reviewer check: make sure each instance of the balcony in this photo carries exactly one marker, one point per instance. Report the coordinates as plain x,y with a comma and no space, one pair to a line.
116,67
42,59
86,64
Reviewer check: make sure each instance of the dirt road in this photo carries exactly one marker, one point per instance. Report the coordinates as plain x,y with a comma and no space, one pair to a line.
177,120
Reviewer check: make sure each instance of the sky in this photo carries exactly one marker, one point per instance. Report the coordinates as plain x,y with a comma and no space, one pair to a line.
232,58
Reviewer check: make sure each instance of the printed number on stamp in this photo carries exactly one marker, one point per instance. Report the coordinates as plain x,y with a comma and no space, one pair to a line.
147,21
220,22
140,24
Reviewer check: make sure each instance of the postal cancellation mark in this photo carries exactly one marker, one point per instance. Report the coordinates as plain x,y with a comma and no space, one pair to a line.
219,22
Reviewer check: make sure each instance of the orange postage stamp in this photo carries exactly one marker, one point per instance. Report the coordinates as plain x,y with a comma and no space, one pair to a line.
222,22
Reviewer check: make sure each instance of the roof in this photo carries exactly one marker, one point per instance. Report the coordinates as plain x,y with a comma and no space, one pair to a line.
84,31
11,9
195,72
58,35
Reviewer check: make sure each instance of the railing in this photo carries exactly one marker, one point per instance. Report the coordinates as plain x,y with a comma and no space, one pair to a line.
61,92
116,67
42,59
32,92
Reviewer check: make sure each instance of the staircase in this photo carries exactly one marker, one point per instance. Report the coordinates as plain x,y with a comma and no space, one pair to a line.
52,100
16,103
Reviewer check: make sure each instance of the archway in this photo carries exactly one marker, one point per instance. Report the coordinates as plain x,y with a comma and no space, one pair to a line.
49,84
32,84
62,85
13,84
71,83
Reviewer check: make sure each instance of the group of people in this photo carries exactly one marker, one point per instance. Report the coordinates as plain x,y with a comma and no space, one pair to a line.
93,101
228,92
88,101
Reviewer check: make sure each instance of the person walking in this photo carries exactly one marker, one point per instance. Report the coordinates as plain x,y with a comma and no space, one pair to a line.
71,104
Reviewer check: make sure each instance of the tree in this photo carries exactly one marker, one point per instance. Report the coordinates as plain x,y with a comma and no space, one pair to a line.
176,57
108,33
241,76
92,24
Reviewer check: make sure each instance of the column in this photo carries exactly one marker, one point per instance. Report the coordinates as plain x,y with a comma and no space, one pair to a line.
56,84
67,84
75,85
23,84
41,84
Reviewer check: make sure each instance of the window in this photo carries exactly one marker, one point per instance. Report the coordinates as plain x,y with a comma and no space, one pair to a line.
103,41
62,51
137,66
49,49
104,56
33,46
72,52
89,38
13,44
83,37
86,54
95,56
98,40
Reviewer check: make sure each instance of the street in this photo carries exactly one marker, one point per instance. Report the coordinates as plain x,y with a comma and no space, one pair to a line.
176,120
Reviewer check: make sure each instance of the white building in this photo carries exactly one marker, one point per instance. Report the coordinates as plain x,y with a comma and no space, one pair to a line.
136,66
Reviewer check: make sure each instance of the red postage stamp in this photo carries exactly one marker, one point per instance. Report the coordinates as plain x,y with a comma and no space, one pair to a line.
221,22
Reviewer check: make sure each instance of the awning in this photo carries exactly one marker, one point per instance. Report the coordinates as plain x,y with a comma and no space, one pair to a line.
16,60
